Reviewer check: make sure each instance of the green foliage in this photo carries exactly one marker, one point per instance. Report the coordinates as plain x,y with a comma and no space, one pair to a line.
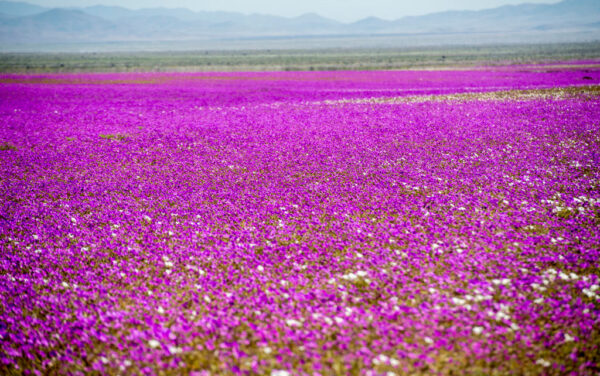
115,137
7,146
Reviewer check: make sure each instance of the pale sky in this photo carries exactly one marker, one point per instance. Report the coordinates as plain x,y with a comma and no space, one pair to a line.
343,10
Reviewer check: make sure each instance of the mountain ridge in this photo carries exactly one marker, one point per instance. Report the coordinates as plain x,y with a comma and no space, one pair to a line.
27,23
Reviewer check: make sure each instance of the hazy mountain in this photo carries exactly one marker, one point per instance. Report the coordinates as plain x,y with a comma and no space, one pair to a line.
55,24
26,23
370,24
117,13
17,9
315,22
563,15
110,13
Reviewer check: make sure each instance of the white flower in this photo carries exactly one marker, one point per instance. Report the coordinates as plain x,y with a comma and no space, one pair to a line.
458,301
568,338
481,297
168,264
499,316
207,299
338,320
260,268
428,340
160,310
563,276
153,343
175,350
147,218
543,362
361,273
292,322
65,285
277,372
381,359
267,350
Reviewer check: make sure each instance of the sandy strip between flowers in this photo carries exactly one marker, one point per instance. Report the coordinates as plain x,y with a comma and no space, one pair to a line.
558,93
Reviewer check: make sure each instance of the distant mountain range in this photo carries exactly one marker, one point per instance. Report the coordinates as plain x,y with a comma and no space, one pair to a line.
27,23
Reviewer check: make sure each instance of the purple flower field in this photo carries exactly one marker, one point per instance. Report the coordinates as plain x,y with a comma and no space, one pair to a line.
322,223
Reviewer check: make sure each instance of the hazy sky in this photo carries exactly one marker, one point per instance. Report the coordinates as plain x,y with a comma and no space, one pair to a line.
343,10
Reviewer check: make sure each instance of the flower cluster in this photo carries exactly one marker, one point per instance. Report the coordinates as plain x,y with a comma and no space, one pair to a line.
291,223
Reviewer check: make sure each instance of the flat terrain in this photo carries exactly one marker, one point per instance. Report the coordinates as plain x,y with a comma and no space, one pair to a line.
338,223
281,59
